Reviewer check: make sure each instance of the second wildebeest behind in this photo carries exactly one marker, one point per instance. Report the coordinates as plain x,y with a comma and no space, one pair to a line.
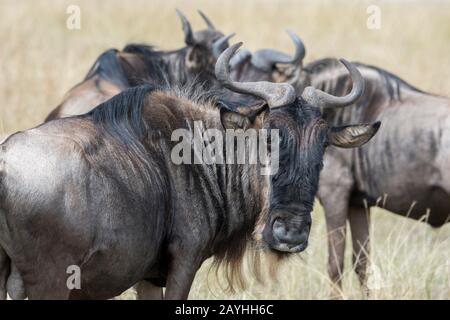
100,191
404,169
115,70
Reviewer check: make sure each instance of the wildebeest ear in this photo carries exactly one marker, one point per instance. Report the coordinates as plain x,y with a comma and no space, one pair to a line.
253,111
352,136
234,120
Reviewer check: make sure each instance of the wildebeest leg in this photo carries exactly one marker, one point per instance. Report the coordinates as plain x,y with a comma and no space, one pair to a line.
336,228
46,291
145,290
49,282
4,272
359,225
182,268
15,286
179,282
335,204
335,186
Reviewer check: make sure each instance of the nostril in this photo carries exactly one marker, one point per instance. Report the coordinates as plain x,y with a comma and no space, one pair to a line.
279,230
285,233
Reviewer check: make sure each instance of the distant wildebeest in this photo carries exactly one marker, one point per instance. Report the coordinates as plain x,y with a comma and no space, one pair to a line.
100,191
115,70
404,169
267,64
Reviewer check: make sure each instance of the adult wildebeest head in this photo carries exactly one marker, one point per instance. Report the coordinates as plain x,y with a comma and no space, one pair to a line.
304,135
203,46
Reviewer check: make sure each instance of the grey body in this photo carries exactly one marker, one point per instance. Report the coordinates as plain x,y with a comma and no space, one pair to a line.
101,192
69,216
404,169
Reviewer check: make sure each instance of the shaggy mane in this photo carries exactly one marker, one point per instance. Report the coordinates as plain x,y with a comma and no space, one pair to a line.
121,118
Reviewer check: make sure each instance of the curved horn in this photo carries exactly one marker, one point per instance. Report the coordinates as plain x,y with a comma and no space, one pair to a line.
300,50
322,99
275,94
266,58
219,45
207,21
187,29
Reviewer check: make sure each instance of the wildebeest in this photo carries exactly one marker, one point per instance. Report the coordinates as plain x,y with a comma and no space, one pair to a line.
100,191
115,70
403,169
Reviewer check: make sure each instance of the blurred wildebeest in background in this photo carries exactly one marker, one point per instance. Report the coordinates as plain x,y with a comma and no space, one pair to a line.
115,70
101,191
268,64
404,169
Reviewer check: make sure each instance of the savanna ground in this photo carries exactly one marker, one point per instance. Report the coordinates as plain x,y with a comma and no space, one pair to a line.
40,59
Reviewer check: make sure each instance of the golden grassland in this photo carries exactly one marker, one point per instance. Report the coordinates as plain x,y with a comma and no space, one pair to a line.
40,59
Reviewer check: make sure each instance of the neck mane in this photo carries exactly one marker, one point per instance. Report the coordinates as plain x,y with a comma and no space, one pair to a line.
166,68
108,67
139,123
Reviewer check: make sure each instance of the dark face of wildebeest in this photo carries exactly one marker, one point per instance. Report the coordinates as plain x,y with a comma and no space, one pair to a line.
303,135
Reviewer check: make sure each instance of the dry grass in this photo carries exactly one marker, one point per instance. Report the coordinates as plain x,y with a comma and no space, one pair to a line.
409,261
40,59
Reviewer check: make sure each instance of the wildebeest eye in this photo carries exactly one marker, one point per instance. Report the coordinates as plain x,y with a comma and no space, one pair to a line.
319,167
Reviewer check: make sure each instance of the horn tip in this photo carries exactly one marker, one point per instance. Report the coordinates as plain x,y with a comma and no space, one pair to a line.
237,45
376,125
351,68
289,31
231,50
180,14
224,57
292,34
344,62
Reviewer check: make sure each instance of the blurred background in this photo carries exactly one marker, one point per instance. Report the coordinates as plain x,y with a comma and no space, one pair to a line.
41,59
